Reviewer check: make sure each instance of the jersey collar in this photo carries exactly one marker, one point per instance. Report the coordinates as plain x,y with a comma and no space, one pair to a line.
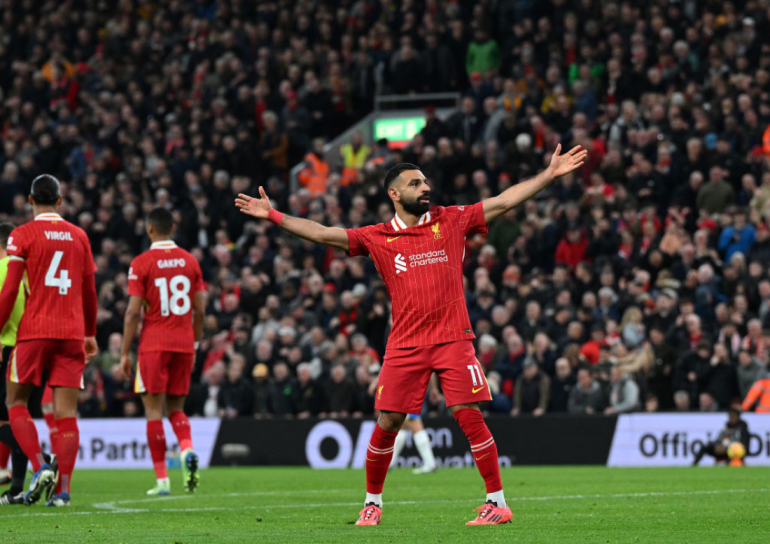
398,224
165,244
49,217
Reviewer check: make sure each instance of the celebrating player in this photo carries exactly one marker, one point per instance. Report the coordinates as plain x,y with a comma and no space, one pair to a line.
419,255
167,281
56,332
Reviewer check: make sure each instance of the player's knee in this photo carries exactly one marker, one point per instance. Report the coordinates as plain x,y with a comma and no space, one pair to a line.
391,422
63,412
471,406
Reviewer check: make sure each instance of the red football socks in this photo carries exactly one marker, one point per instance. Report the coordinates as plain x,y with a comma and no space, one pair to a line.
156,440
26,435
67,445
181,426
378,458
5,454
483,447
53,431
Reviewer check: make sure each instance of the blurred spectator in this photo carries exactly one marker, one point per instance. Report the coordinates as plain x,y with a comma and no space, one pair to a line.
340,393
749,370
310,401
281,396
533,391
624,393
587,396
561,386
236,395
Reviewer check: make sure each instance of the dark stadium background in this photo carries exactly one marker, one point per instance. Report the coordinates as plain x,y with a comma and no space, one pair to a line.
654,256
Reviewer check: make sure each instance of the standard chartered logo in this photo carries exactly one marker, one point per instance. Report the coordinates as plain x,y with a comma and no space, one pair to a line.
430,257
400,264
421,259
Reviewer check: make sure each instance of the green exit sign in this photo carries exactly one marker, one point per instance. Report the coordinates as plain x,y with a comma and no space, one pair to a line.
398,130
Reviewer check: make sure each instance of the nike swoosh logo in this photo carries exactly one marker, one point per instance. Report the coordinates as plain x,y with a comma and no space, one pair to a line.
372,460
482,457
391,239
475,390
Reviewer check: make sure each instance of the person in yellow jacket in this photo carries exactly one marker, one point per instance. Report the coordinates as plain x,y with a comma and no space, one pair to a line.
15,495
758,396
316,171
354,157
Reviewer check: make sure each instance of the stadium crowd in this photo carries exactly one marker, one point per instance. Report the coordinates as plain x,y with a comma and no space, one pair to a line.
641,283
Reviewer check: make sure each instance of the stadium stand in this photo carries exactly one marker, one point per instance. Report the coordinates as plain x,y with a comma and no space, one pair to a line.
649,267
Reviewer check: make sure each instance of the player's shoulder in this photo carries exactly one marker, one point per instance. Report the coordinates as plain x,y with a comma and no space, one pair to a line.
375,229
451,210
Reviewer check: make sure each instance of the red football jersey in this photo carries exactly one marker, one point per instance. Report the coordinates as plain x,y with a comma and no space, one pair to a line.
57,256
422,267
166,277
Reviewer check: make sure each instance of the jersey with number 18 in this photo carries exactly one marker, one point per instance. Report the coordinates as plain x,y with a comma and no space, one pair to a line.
57,257
166,277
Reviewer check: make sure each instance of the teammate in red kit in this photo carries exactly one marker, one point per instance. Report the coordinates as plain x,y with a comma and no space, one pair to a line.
419,255
56,333
167,281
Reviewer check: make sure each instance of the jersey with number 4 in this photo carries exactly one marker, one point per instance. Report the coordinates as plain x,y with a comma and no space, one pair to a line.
166,277
57,257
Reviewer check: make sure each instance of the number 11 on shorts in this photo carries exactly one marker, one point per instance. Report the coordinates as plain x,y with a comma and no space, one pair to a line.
475,370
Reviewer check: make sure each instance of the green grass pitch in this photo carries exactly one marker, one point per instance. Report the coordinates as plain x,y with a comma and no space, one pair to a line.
550,504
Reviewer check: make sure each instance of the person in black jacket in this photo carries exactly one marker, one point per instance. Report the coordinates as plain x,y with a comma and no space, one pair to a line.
236,395
561,385
736,430
722,382
310,398
281,396
340,393
692,371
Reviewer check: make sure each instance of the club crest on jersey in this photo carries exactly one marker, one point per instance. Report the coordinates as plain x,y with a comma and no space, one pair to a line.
436,231
400,264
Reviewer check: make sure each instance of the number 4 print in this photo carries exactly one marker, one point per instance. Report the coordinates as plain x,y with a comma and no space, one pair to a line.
63,281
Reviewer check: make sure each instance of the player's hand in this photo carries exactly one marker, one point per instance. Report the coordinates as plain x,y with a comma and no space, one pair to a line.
91,348
124,370
1,352
256,207
573,159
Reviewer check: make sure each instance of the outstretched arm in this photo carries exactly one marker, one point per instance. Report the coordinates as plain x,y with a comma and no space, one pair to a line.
309,230
512,197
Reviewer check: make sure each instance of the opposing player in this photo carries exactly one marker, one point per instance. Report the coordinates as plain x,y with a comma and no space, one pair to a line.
15,495
56,332
421,441
167,281
419,255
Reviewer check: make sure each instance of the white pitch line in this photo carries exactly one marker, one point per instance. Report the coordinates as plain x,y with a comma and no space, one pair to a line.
112,505
341,504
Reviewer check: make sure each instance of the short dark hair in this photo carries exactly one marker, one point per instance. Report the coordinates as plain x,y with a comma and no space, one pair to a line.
395,171
46,190
161,219
5,232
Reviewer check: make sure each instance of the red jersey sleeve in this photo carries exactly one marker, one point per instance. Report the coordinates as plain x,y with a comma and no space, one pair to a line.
136,279
18,244
357,243
471,219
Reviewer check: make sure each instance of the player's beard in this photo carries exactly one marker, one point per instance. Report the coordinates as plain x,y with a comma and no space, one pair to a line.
417,207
